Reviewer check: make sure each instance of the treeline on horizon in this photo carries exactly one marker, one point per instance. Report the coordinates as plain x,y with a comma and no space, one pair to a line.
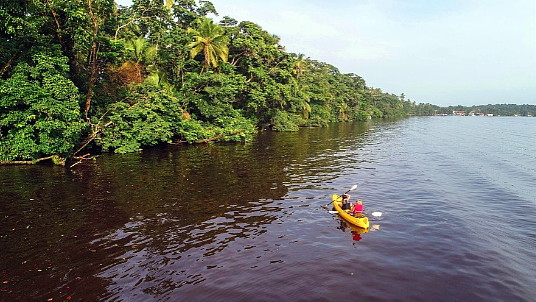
497,109
91,76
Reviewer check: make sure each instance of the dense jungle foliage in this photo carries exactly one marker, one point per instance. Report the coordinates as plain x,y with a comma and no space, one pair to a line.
88,75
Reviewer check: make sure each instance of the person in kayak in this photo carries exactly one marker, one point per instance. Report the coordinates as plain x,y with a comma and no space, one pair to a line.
346,204
357,209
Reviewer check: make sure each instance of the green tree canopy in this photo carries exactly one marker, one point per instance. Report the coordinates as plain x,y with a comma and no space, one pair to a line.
89,74
210,39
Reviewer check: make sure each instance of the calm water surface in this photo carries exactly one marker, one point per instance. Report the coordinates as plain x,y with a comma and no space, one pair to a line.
245,222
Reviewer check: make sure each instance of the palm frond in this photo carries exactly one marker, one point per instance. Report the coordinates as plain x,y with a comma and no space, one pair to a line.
211,39
196,49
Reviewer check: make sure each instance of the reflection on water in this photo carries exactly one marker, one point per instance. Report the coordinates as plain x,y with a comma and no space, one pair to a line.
355,233
125,213
161,218
244,222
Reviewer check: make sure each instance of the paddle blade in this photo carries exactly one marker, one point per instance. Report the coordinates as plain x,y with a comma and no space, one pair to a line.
376,214
353,187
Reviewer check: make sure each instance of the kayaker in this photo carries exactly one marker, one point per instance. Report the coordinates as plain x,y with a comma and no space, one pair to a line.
346,204
358,208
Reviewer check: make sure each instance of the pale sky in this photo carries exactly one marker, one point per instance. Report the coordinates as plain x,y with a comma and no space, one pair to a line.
450,52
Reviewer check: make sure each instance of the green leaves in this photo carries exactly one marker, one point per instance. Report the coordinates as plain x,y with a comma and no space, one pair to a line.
39,110
153,116
141,50
210,39
155,72
284,121
145,122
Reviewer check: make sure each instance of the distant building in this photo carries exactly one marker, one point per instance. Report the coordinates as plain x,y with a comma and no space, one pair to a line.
461,113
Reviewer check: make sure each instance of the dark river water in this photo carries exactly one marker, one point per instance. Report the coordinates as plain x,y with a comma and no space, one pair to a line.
245,222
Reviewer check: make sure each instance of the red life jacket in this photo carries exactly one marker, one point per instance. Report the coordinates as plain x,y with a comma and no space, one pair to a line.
358,208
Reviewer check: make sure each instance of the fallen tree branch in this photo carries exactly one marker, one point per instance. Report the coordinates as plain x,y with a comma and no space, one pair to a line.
201,141
80,159
56,159
96,129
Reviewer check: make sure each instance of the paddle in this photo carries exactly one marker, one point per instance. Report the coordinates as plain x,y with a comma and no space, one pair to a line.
375,214
351,189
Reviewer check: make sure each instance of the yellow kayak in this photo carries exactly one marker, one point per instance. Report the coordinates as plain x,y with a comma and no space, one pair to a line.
361,222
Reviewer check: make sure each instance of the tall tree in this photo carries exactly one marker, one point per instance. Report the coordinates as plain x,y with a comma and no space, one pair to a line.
210,39
299,65
98,11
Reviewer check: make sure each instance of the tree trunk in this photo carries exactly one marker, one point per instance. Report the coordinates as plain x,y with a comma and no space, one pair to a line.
92,80
93,55
56,159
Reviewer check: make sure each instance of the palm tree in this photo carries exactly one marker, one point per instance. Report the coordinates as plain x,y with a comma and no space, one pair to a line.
299,66
143,54
142,51
210,39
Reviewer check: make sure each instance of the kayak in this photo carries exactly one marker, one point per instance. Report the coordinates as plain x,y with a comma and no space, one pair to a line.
361,222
